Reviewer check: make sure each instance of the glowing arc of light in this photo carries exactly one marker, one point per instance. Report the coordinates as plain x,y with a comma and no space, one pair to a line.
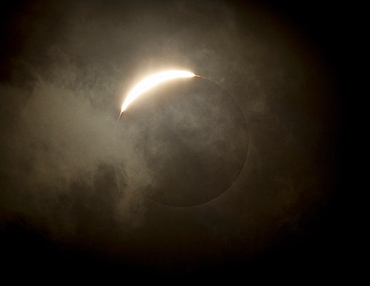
150,82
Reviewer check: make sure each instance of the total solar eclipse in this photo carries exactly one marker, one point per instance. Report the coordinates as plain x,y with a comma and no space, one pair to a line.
183,136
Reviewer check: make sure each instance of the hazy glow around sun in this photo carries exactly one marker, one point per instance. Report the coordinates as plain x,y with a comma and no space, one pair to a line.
150,82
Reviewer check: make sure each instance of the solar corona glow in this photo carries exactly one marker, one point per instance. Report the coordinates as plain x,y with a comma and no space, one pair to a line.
150,82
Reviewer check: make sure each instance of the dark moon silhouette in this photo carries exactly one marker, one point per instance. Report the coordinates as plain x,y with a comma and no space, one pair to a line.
196,146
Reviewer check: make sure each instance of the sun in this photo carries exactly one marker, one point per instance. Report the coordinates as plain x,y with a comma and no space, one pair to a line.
152,81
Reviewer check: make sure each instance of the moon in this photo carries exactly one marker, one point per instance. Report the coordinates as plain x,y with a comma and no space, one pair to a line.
185,149
150,82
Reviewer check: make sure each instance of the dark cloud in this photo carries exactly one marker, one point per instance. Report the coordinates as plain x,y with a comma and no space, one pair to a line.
67,191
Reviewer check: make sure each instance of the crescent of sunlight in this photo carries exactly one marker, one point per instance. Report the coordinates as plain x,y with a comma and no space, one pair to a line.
150,82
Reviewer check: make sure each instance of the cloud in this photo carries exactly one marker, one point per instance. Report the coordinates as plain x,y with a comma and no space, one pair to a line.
61,94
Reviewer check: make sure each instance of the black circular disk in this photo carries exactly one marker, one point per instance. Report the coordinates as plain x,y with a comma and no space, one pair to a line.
184,142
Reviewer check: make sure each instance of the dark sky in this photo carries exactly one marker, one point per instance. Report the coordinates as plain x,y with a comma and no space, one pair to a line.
150,196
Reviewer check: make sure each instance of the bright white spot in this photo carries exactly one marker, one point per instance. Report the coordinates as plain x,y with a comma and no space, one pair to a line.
151,81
